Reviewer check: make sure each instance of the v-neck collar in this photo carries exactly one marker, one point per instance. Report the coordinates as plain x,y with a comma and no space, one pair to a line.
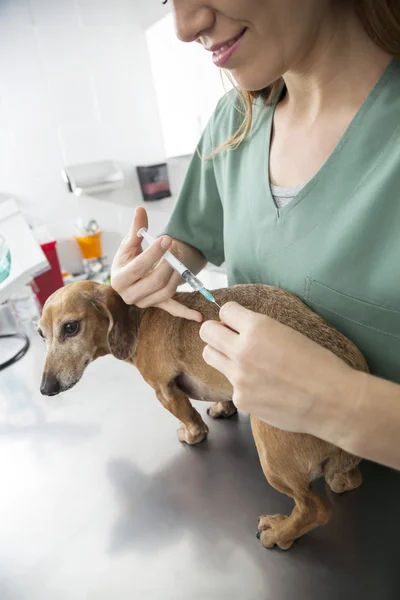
359,116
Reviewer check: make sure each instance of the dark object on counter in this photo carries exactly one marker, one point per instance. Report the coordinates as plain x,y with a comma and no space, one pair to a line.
154,181
51,280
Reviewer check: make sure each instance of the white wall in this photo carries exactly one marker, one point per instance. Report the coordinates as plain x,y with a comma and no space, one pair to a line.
188,87
75,86
150,11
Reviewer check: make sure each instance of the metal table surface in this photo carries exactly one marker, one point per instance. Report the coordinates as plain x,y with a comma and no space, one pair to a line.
100,501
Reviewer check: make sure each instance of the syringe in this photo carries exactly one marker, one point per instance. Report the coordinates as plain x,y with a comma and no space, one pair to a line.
187,275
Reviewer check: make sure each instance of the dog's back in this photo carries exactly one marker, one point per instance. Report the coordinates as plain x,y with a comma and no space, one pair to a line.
283,307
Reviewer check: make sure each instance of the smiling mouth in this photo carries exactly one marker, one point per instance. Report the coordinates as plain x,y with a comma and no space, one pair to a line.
223,52
216,48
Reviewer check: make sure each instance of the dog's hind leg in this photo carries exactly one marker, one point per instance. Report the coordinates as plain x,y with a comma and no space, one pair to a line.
309,512
222,410
290,462
342,473
192,429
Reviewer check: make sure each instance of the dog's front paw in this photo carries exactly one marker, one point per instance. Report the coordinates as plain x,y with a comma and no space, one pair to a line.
222,410
195,435
271,533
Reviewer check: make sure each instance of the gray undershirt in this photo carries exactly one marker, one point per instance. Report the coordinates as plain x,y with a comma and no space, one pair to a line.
283,195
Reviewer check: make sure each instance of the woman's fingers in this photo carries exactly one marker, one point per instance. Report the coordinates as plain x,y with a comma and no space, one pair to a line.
144,262
236,317
139,220
217,360
131,245
157,286
179,310
125,277
141,277
218,336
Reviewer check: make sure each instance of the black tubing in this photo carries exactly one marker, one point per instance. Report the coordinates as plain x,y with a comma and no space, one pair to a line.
20,352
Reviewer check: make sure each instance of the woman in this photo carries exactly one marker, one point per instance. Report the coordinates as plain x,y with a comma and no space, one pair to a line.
296,184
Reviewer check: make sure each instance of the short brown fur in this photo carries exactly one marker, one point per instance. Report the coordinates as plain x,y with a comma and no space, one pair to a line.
168,353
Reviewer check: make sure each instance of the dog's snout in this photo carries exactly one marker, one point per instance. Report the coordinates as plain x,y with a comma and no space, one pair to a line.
50,386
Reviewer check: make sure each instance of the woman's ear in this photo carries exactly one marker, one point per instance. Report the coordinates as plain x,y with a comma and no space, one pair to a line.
123,322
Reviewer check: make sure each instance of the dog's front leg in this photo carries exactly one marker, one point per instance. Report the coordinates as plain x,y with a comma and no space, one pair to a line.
192,429
222,410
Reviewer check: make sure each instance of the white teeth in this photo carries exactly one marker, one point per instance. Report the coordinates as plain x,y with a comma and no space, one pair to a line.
221,50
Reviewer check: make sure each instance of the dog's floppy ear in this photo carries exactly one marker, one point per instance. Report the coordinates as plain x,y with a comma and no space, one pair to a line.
123,322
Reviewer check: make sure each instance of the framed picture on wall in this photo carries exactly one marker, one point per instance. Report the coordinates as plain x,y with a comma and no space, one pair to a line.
154,181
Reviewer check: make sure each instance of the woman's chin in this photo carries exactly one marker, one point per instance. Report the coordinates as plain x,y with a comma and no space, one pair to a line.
251,82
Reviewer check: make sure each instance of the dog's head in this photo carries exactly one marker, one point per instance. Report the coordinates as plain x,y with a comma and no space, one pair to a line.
81,322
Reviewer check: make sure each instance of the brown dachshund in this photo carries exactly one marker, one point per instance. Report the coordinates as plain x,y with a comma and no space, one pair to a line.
86,320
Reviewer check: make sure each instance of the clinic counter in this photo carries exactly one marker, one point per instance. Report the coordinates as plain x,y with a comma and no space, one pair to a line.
99,501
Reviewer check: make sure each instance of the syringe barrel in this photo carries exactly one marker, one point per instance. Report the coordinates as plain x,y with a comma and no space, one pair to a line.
189,278
168,256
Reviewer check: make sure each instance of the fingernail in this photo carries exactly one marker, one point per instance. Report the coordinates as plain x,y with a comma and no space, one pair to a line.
165,243
203,329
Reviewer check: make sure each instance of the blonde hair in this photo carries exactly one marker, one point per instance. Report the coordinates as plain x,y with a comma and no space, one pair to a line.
381,21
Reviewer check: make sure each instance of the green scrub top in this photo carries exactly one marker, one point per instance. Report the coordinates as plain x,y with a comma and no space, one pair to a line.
336,245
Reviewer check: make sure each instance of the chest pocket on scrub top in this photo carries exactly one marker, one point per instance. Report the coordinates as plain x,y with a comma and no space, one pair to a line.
374,329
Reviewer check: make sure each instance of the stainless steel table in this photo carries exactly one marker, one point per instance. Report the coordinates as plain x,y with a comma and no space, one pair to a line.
99,501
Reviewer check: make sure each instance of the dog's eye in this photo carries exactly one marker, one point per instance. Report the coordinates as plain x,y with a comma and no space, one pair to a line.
40,332
164,1
70,329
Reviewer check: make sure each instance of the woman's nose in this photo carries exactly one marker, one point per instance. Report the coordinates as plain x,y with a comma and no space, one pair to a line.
192,18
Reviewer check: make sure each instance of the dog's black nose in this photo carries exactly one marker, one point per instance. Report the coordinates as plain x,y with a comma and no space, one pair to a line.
50,386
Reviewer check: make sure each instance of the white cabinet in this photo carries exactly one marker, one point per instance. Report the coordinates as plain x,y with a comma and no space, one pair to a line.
188,86
27,258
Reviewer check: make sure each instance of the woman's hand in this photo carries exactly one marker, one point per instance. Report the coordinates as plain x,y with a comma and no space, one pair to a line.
277,374
291,382
140,276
